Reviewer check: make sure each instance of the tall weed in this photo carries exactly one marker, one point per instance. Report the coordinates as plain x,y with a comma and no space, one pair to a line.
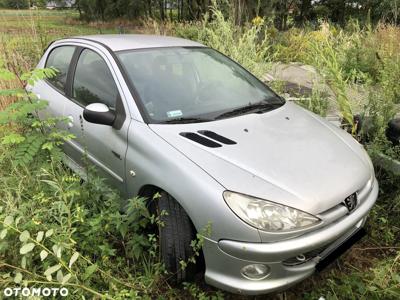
248,45
58,231
325,58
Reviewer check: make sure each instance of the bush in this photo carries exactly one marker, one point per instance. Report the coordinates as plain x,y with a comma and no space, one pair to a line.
59,231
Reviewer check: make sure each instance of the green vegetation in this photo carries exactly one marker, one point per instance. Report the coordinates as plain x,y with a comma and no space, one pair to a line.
55,229
284,13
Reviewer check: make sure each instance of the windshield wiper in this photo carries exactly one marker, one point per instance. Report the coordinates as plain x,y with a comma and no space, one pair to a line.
184,120
258,107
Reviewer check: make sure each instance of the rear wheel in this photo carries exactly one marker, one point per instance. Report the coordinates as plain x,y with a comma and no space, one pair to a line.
176,234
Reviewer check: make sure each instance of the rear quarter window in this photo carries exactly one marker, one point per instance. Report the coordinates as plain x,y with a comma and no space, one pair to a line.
60,59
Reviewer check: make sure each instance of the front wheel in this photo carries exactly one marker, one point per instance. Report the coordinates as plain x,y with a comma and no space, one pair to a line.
176,234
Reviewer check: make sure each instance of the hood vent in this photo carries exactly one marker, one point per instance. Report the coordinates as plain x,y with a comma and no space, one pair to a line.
217,137
200,139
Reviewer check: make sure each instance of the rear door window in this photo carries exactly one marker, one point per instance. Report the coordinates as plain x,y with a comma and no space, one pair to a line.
60,59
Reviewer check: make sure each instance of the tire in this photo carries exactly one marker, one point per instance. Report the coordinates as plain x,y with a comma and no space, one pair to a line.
175,237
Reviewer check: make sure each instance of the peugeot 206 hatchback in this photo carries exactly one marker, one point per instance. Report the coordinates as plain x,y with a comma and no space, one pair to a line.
282,188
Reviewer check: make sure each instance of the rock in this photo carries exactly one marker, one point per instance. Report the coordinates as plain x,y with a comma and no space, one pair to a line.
299,81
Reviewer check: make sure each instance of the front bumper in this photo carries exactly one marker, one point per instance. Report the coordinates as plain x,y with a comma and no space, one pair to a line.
226,258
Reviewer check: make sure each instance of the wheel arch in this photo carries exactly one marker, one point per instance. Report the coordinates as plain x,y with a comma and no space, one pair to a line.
148,191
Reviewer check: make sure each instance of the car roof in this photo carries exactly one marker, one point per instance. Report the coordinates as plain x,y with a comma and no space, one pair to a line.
120,42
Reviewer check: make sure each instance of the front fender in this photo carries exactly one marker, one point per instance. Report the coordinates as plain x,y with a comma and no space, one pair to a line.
155,162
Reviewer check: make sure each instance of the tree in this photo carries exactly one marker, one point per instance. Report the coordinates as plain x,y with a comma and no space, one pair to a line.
241,11
16,4
283,8
306,12
337,9
389,10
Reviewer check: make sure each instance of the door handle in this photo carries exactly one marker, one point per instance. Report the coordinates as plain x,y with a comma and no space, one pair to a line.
70,123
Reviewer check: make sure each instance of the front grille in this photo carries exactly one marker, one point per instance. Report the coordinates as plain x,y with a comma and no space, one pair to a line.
332,216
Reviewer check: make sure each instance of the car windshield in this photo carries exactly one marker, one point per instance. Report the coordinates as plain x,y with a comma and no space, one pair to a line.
193,85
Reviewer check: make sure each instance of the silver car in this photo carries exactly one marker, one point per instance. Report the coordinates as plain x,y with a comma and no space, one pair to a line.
281,188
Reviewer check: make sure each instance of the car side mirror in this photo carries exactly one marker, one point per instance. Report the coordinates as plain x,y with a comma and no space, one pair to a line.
99,113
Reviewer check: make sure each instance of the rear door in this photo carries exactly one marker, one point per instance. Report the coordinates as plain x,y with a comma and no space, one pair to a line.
54,90
91,79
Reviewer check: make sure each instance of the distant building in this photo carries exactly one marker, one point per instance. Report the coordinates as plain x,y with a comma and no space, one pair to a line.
60,4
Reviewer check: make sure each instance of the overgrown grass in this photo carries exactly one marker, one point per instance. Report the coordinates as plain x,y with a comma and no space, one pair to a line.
57,230
25,34
84,218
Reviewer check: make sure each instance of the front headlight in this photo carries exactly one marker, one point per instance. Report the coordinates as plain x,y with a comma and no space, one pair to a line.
266,215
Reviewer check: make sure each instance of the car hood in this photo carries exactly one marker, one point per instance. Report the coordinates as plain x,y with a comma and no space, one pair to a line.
288,155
